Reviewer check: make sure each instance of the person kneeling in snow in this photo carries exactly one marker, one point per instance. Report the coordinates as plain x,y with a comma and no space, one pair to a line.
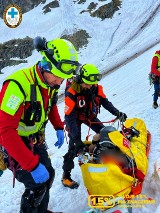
28,99
83,99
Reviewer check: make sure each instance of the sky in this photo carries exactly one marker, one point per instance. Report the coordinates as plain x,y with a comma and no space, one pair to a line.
131,34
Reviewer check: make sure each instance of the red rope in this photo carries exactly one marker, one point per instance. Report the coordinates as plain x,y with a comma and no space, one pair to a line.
123,189
90,123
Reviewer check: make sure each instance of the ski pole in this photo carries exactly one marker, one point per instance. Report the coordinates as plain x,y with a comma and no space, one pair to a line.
150,88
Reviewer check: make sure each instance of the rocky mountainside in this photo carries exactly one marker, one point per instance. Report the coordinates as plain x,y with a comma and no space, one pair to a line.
22,48
104,11
16,48
27,5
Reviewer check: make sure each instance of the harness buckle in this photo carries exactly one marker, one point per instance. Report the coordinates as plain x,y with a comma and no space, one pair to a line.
34,141
81,103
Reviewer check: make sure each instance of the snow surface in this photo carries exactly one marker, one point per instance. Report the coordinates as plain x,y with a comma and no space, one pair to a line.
133,30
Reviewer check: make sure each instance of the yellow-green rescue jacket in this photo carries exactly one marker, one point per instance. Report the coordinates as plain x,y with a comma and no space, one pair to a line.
22,82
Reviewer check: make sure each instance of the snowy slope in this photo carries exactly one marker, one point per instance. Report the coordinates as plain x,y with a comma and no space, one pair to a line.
127,88
113,41
132,29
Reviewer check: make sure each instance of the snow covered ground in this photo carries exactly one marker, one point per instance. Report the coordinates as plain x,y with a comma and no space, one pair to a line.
113,41
127,88
132,29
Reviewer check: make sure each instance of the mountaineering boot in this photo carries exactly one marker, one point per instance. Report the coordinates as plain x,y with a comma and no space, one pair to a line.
68,182
155,105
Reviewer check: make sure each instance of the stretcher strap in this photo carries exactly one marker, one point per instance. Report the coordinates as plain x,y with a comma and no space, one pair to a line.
90,123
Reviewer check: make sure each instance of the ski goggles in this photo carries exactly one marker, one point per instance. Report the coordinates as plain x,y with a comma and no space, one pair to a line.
68,67
65,66
93,77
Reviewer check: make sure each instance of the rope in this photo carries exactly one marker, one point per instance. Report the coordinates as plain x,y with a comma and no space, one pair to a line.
133,158
90,123
123,189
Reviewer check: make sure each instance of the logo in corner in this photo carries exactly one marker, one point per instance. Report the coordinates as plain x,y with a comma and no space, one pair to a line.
12,15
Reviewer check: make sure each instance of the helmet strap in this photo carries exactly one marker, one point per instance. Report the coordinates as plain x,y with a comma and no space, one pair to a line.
50,57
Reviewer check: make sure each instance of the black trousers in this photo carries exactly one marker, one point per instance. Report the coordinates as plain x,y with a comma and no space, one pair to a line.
68,163
35,199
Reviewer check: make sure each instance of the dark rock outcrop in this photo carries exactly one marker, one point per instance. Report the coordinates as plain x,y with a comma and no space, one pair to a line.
81,1
79,39
53,4
105,11
92,6
16,48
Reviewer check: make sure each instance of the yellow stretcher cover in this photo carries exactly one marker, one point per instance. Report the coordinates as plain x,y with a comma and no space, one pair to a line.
108,178
136,148
102,179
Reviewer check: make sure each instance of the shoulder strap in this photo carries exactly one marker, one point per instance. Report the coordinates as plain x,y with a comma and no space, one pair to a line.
33,95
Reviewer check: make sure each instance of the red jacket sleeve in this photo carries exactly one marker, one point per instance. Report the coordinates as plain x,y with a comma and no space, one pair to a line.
154,65
55,119
10,139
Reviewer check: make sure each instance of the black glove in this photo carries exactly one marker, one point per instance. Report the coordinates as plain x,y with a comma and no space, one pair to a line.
79,148
122,116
